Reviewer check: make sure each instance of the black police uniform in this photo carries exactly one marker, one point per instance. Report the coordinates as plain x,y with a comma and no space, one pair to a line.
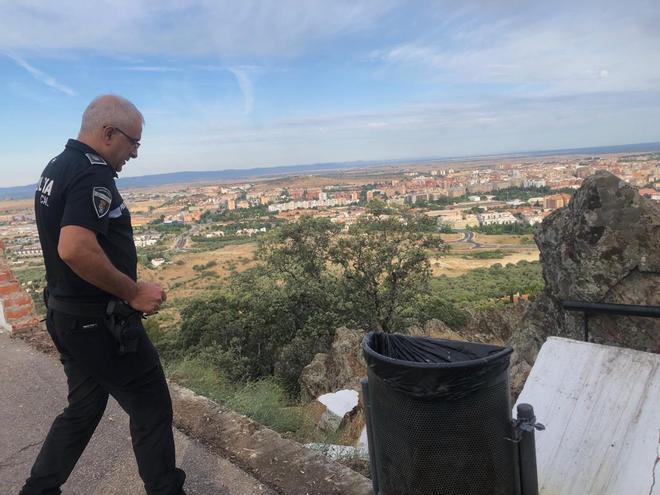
78,188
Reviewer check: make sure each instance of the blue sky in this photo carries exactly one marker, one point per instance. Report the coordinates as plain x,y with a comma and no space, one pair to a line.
228,84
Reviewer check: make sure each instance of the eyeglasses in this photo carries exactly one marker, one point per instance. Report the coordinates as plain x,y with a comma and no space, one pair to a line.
134,142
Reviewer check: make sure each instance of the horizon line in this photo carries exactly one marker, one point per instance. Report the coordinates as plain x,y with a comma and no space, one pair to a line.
386,161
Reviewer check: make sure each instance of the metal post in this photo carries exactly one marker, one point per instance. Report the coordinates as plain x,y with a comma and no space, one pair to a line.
527,451
586,326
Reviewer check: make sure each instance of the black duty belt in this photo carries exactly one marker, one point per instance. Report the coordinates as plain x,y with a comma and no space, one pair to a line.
121,320
93,310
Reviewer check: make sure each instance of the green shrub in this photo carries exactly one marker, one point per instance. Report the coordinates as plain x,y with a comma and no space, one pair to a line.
482,287
436,307
485,255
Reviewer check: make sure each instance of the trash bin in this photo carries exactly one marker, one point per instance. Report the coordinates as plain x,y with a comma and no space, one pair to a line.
438,417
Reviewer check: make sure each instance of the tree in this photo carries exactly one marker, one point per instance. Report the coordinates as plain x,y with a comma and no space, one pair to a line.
384,265
299,249
271,320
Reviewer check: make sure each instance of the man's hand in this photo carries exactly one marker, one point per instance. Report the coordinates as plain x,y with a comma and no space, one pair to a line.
147,298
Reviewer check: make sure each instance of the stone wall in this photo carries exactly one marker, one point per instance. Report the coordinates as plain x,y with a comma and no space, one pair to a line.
603,247
16,306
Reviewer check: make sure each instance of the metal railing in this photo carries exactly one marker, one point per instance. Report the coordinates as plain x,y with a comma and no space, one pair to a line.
589,308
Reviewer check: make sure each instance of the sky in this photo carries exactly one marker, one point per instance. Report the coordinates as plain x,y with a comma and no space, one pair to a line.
229,84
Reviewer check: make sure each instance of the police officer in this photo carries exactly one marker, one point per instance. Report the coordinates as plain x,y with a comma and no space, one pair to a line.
91,269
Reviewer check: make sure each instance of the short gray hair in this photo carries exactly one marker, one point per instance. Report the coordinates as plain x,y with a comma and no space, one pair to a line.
108,110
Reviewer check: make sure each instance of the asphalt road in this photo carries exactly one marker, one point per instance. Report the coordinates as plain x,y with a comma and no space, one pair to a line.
33,391
468,237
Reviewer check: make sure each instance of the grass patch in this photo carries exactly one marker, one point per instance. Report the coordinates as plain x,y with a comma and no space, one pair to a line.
495,254
264,401
203,244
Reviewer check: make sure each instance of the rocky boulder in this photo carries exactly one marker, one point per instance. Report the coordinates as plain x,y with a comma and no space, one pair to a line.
603,247
496,325
435,329
340,368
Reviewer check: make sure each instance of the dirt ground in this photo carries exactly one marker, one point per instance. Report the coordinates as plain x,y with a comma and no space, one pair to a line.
182,281
453,266
15,205
450,238
505,239
143,206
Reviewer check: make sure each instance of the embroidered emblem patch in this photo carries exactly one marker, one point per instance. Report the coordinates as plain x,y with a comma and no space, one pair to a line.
101,198
95,159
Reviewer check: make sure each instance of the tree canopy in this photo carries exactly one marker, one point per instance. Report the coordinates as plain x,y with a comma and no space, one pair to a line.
313,278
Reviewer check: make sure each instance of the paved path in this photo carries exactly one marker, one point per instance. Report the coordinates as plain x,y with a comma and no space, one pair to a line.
33,391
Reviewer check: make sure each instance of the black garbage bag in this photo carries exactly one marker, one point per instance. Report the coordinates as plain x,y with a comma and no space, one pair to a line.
438,417
432,368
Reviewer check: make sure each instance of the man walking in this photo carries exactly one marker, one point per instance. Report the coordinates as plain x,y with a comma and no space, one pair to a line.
95,304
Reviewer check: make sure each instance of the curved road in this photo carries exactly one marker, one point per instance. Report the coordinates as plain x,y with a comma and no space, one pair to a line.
468,238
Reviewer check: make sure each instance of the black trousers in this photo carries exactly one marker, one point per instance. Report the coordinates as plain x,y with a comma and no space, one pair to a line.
94,370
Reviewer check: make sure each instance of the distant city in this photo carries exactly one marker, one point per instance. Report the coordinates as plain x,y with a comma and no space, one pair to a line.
459,194
17,192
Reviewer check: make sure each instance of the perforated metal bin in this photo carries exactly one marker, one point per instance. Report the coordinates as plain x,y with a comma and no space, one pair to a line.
438,417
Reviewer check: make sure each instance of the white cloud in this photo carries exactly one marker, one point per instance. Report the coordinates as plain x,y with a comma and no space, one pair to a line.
583,49
447,128
176,27
245,83
42,77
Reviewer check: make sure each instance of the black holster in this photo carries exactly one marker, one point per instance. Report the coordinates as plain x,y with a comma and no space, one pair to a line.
125,325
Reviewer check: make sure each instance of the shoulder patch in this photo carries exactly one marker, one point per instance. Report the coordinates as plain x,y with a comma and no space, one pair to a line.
101,199
95,159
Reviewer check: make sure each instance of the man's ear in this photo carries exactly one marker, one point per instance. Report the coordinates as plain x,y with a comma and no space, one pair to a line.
107,134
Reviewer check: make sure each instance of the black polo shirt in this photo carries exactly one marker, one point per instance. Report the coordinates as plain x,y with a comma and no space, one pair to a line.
77,187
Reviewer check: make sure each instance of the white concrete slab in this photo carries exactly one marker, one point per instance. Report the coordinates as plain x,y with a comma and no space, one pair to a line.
601,409
340,402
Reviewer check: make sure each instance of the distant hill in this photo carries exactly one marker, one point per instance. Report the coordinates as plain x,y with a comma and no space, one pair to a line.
19,192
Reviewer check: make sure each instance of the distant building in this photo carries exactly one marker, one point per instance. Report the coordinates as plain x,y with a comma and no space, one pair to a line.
28,252
534,219
556,201
534,183
583,172
651,193
250,232
496,218
303,205
146,240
